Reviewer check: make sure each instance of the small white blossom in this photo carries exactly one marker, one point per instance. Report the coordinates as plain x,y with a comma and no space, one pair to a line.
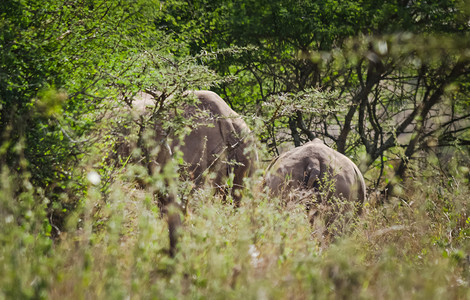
94,178
9,219
254,253
382,47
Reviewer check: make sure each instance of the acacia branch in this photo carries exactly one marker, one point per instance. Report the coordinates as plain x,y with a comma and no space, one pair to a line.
424,109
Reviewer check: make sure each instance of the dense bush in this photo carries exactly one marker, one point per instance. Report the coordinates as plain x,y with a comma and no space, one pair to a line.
385,82
413,247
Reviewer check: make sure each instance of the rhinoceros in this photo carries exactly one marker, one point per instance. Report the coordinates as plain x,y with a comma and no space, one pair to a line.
218,147
219,142
317,169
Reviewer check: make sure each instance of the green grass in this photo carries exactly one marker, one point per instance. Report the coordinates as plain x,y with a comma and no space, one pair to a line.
415,247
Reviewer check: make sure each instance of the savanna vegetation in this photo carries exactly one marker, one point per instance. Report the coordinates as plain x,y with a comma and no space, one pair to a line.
385,82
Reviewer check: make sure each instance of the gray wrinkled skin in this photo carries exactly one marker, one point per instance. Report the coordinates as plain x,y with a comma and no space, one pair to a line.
220,146
311,166
219,142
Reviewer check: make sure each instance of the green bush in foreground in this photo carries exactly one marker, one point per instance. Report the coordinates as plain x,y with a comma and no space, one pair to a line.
414,247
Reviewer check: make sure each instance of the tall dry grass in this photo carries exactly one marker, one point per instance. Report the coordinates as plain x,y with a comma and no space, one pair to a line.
115,247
